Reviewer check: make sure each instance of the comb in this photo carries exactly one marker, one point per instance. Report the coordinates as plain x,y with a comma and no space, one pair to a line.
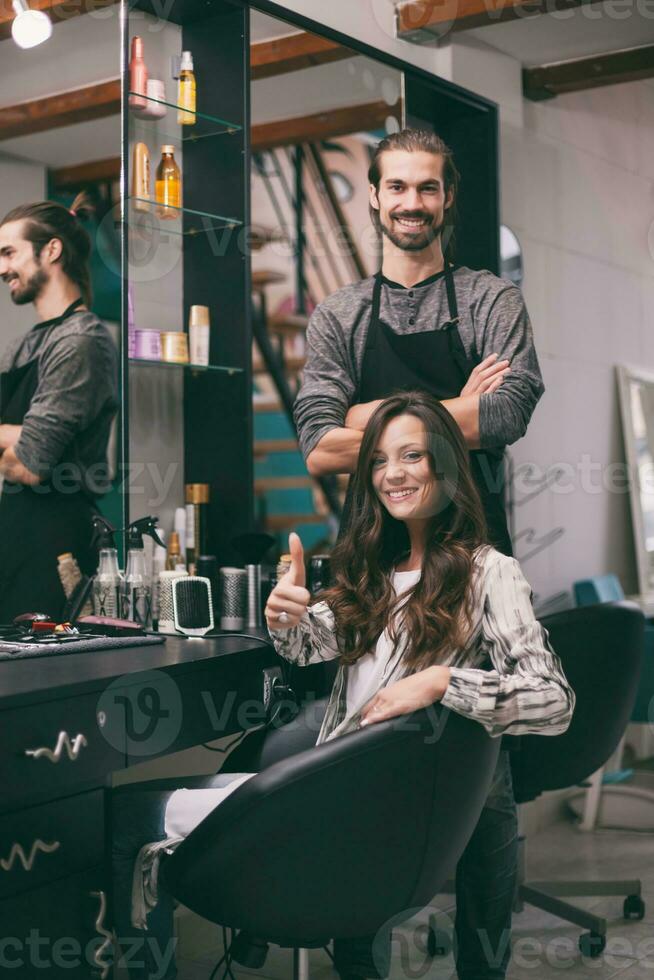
192,605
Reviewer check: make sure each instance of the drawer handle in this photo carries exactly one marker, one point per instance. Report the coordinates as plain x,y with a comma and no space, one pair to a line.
73,748
17,852
102,930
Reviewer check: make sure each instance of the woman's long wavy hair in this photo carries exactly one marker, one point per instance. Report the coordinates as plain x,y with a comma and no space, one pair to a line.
436,616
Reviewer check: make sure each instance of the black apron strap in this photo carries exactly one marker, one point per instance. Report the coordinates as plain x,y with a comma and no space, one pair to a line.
57,320
374,312
451,295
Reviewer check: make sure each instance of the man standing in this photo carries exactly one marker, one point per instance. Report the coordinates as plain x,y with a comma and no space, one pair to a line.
460,334
58,396
465,337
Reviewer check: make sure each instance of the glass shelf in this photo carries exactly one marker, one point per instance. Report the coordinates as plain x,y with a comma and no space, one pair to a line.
203,127
197,223
221,368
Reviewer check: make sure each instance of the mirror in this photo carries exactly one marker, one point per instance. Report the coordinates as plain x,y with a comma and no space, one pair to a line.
319,109
637,407
511,266
59,393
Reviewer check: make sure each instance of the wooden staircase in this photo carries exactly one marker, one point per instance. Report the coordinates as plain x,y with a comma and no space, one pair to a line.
299,182
286,496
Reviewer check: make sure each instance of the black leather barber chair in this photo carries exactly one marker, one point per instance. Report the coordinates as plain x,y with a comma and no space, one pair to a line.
338,839
601,650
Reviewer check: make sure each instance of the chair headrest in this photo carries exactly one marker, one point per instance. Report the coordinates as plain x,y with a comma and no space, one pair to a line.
601,651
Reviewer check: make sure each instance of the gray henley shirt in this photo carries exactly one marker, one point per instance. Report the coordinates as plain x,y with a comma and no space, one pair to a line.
493,319
76,398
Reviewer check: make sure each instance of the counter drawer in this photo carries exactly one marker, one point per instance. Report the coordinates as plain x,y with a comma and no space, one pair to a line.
59,931
50,841
56,748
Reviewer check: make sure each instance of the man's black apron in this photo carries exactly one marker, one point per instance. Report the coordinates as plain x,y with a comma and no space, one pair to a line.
38,523
434,361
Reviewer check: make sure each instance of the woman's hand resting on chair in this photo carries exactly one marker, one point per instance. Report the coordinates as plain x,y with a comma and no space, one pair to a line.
289,599
411,693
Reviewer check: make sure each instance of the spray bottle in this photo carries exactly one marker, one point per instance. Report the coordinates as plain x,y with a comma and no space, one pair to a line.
137,587
108,580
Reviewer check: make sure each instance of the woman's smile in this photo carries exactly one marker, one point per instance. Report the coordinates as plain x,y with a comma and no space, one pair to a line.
402,493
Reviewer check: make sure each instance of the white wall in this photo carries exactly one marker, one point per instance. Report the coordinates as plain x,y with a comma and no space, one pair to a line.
19,182
577,187
577,184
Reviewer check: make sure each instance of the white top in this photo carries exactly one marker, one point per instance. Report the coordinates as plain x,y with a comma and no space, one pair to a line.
369,673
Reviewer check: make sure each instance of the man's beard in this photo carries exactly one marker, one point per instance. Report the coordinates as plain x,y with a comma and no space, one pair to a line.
31,290
412,243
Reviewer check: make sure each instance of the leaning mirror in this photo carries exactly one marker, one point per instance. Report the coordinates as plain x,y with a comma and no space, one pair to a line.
637,406
511,266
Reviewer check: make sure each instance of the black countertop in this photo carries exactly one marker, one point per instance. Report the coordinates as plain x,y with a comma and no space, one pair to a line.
30,681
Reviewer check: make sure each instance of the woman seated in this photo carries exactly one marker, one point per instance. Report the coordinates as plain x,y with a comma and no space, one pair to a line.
421,609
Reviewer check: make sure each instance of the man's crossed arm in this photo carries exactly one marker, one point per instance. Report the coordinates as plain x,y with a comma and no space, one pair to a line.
338,450
11,467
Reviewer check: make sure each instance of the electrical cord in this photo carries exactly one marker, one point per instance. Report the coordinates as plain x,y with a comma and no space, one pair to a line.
244,636
226,958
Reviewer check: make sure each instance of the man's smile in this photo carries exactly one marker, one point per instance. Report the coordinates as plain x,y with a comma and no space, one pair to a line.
412,224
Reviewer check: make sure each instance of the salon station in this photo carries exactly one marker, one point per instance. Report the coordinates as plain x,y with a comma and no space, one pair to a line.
326,489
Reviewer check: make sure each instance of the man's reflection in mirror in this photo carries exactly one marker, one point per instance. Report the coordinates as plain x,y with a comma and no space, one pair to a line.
58,397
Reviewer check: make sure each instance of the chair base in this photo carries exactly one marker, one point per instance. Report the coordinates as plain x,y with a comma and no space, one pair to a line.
548,895
300,964
624,806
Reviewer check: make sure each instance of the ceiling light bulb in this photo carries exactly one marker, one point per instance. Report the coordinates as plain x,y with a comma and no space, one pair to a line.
29,27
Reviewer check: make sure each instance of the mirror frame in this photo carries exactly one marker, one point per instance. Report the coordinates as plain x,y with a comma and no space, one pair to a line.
644,558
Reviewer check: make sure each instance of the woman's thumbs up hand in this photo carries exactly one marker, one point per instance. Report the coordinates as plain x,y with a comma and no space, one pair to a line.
296,575
288,601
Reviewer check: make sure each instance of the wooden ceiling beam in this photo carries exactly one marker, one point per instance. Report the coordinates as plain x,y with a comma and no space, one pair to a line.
426,20
77,105
85,173
322,125
57,10
548,81
293,53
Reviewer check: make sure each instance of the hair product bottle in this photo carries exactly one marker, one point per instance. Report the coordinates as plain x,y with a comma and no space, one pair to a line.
197,526
174,560
186,95
140,177
138,75
198,332
168,184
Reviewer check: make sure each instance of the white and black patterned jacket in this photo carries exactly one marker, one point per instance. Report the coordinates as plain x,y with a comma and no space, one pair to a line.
507,677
